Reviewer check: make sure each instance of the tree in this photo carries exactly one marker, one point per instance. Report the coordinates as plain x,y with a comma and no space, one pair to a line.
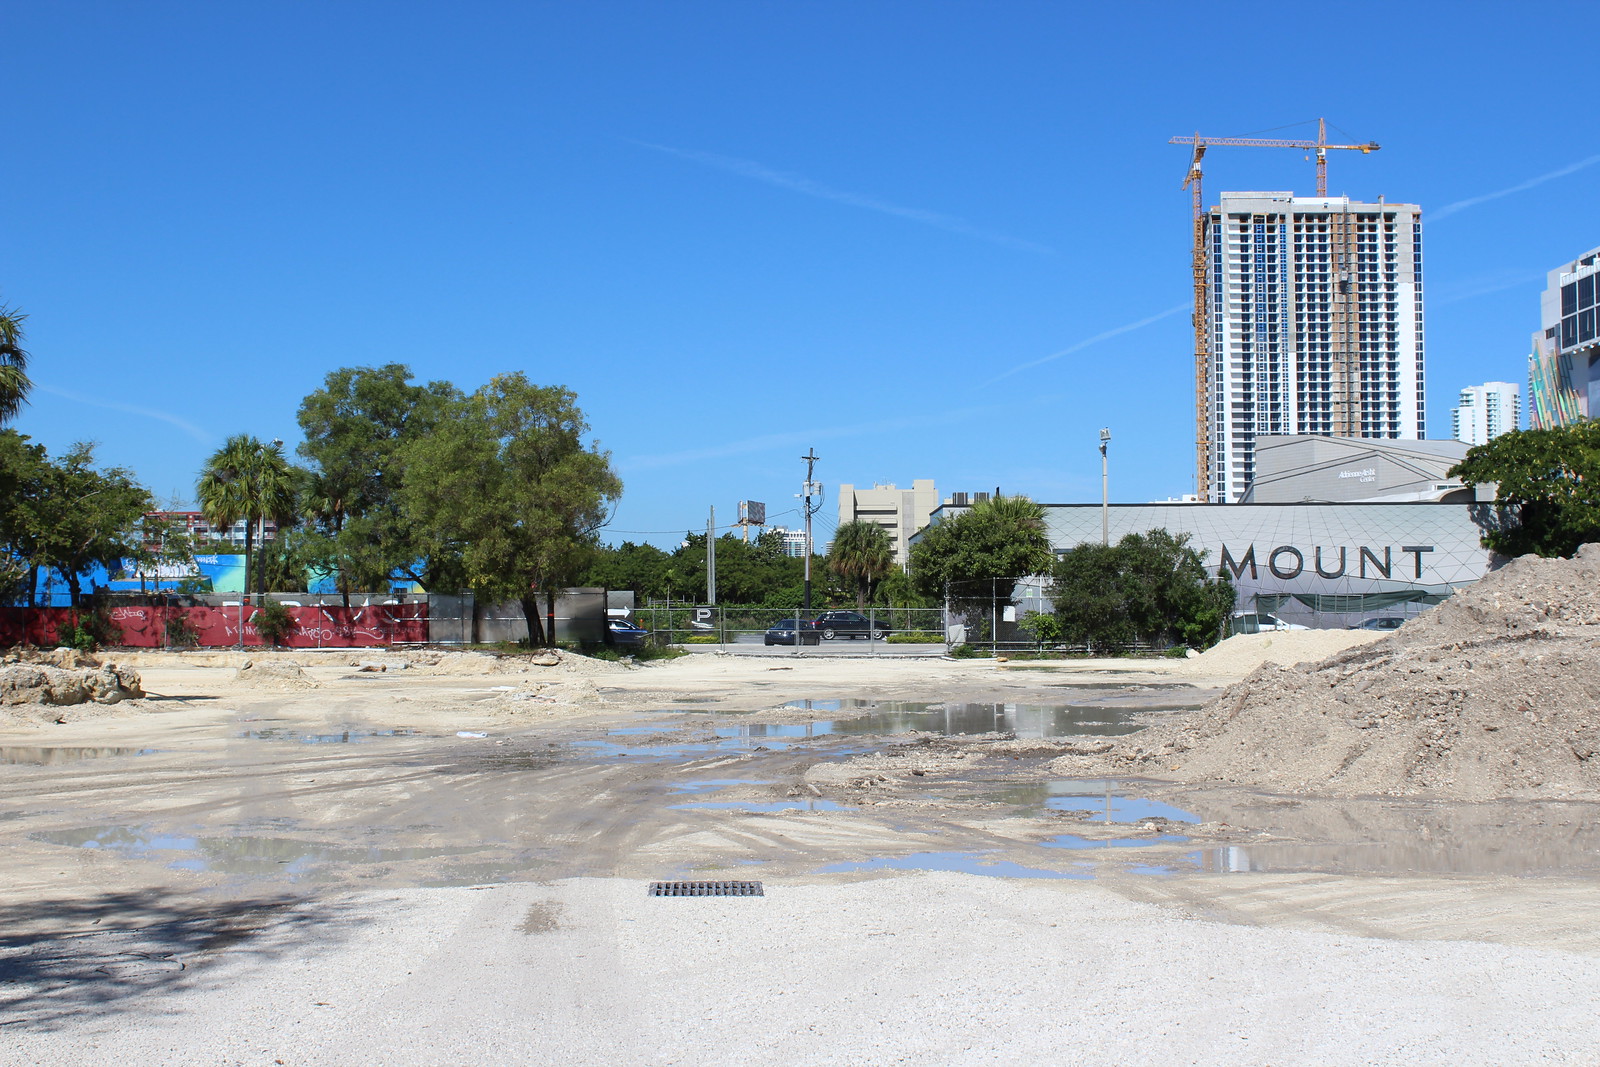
1547,496
14,381
506,484
247,479
357,429
975,558
72,516
1147,587
862,554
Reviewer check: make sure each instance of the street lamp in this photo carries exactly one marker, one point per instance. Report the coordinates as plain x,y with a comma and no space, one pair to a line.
1105,489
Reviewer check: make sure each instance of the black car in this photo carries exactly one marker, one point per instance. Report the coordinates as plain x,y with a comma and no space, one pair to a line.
791,632
623,634
833,624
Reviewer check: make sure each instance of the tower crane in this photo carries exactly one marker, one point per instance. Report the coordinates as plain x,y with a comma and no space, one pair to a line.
1202,280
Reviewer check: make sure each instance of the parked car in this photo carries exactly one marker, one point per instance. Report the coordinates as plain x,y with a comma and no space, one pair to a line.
1254,622
620,633
1382,622
833,624
791,632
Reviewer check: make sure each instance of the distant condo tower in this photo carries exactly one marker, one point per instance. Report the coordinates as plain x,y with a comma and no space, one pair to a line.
1484,412
1315,326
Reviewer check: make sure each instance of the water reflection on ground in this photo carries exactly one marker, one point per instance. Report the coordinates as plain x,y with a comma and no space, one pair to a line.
954,718
982,863
275,857
49,756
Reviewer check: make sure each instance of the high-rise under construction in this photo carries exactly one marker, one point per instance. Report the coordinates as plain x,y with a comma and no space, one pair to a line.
1314,326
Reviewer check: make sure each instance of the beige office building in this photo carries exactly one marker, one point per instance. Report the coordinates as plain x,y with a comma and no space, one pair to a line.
902,512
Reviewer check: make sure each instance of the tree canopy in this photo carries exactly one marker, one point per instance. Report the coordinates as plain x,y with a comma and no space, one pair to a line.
1147,587
975,558
358,428
248,479
862,555
1548,488
506,485
14,381
66,514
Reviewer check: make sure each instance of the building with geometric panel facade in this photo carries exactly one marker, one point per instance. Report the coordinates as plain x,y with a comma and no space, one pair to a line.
1324,565
1315,325
1564,366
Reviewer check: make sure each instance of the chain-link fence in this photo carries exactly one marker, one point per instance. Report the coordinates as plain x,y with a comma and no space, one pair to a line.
872,629
1388,610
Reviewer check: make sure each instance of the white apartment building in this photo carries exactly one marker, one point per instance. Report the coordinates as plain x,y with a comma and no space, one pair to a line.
1315,325
1564,367
902,512
1484,412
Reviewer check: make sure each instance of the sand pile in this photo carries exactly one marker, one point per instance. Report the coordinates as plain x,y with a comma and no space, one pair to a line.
27,683
279,675
1495,693
1243,653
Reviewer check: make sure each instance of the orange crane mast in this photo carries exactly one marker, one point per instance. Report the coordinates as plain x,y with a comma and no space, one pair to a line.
1202,279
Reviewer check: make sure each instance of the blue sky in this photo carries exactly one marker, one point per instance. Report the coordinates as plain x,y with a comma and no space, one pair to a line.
940,240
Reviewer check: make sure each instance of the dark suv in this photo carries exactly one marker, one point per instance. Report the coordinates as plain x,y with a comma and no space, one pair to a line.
833,624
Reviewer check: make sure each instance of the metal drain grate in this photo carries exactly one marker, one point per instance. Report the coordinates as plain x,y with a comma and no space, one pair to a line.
706,889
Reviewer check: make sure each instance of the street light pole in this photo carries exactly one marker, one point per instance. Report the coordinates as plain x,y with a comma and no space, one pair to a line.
1105,489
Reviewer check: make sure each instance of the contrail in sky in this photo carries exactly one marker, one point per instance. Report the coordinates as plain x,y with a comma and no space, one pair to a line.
1096,339
798,183
1474,201
150,413
802,437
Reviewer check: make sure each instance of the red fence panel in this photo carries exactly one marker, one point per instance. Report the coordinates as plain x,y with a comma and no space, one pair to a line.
145,626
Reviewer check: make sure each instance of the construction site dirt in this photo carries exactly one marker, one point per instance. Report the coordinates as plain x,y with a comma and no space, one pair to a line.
442,857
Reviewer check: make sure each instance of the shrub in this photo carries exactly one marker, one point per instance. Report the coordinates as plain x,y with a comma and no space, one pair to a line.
968,652
916,637
180,633
93,629
700,639
273,622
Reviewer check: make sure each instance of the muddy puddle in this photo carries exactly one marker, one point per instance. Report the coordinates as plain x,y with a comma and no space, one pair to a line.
981,863
49,756
352,735
284,858
1107,716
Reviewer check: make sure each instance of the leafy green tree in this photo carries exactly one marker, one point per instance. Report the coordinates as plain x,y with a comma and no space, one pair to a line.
1045,629
974,558
248,479
862,555
506,484
627,566
23,468
1547,496
1147,587
14,381
358,428
74,517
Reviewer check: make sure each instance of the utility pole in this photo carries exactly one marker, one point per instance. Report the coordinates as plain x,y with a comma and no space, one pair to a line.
711,557
1105,489
811,489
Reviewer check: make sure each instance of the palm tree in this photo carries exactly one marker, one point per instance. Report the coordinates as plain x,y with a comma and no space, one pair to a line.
247,479
861,553
14,382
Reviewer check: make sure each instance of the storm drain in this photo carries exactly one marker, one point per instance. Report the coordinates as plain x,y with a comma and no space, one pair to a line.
706,889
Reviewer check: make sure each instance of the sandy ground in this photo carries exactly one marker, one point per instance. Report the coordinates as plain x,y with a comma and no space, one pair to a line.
317,868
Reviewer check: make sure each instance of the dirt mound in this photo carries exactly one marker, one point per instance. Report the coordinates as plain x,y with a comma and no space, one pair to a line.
564,696
1243,653
258,674
1493,694
26,683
